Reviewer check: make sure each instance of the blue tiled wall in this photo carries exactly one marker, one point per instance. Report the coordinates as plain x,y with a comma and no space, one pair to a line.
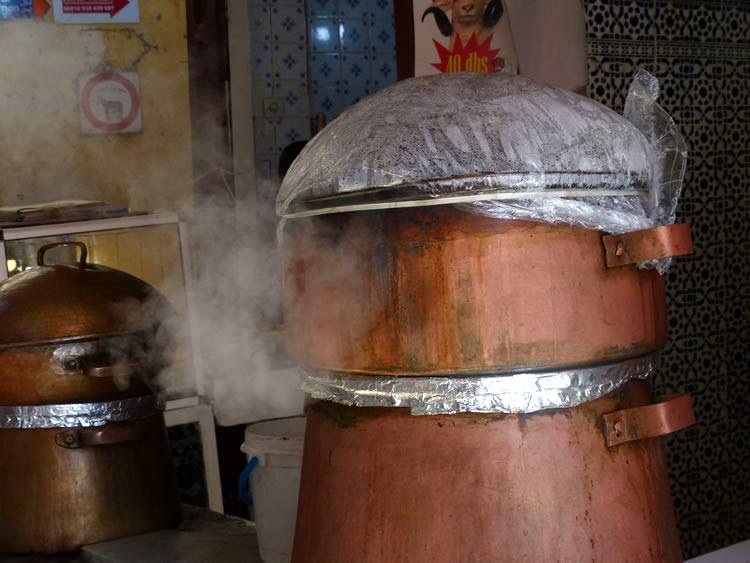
319,56
352,51
281,103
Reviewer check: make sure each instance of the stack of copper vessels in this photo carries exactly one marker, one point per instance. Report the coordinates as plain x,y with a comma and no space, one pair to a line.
85,456
474,279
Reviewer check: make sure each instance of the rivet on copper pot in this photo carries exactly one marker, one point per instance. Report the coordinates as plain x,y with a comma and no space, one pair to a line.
620,249
617,427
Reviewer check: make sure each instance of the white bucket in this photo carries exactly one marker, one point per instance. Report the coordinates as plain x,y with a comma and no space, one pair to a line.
274,483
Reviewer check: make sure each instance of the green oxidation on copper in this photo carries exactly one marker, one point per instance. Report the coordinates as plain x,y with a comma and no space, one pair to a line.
339,415
622,351
523,418
468,335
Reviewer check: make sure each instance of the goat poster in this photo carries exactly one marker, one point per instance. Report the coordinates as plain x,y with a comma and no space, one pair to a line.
462,36
110,103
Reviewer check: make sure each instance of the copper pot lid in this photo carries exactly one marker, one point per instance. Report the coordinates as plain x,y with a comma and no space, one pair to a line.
49,304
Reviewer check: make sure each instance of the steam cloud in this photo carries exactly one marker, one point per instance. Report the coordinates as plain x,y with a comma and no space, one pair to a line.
235,297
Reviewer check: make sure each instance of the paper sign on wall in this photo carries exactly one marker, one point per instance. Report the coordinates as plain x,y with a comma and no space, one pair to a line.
110,103
22,9
462,36
96,11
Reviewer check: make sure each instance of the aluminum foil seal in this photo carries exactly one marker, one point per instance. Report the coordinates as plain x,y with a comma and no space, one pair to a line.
80,415
510,393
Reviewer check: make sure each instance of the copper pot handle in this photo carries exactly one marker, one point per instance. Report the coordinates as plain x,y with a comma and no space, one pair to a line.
647,244
113,370
105,436
670,414
43,250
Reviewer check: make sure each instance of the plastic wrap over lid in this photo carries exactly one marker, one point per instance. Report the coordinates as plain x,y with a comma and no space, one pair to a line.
470,133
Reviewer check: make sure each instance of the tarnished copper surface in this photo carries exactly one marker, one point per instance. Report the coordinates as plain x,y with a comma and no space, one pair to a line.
31,376
671,414
439,290
55,499
379,485
648,244
49,304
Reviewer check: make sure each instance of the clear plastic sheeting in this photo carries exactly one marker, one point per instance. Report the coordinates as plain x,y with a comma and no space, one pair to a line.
655,123
502,146
78,415
516,393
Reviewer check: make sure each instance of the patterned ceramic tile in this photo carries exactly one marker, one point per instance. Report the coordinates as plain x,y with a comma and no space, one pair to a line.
356,92
289,61
325,70
354,9
294,94
262,65
329,101
355,69
323,7
324,35
366,52
383,36
288,23
260,22
381,9
354,35
383,69
291,129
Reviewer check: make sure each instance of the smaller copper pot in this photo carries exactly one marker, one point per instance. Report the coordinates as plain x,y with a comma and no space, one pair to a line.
78,333
62,488
80,337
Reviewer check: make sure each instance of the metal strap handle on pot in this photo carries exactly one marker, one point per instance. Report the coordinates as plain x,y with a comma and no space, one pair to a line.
647,244
113,370
670,414
104,436
43,250
88,365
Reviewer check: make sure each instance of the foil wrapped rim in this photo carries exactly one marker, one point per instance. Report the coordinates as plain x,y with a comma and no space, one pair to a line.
508,393
79,415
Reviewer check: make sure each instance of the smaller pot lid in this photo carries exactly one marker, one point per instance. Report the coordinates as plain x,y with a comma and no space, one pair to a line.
467,133
51,304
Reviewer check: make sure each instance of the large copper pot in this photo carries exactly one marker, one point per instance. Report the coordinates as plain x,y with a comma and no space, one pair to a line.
582,484
80,338
437,290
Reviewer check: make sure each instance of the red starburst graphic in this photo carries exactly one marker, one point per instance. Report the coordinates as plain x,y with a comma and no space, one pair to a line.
474,57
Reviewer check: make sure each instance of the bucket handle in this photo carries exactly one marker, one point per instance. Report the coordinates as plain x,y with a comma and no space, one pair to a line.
243,483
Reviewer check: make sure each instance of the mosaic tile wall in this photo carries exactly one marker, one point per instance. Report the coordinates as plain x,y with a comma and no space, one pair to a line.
322,56
352,51
281,103
700,50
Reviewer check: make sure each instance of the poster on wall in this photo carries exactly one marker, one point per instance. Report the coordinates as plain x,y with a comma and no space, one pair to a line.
462,36
110,103
22,9
96,11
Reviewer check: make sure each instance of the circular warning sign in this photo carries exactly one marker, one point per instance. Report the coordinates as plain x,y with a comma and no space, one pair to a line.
110,103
